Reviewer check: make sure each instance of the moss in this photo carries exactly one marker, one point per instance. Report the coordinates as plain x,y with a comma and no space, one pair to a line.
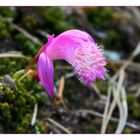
20,129
5,111
92,129
127,131
27,47
56,20
25,124
51,14
8,11
63,26
101,15
39,99
35,90
134,106
111,127
16,109
103,87
11,65
40,127
5,29
131,98
30,21
8,94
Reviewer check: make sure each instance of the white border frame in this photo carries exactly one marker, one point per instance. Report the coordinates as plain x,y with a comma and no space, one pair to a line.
69,2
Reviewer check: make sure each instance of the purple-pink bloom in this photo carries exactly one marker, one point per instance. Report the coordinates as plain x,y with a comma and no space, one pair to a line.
78,49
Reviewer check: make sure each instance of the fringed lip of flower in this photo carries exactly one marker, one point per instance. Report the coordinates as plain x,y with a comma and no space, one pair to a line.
78,49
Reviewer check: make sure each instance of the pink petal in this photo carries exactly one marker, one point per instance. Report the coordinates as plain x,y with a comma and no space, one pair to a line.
79,49
62,47
78,34
64,44
46,73
89,63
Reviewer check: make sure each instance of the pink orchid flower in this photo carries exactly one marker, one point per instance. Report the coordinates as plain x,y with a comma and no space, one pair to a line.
78,49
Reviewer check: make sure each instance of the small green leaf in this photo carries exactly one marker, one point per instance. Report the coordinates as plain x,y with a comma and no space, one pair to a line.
15,76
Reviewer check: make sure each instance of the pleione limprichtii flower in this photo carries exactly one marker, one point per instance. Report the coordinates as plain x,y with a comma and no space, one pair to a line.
77,48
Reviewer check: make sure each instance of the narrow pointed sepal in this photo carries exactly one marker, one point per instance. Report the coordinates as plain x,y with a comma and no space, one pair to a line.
46,73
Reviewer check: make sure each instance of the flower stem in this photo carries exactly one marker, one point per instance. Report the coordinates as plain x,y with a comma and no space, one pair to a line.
31,63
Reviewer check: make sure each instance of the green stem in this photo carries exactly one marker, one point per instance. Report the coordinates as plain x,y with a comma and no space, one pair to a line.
31,63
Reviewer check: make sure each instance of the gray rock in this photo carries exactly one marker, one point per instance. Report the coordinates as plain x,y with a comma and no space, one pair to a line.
9,81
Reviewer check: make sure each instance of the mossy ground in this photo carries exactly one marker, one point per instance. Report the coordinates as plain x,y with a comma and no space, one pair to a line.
17,104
